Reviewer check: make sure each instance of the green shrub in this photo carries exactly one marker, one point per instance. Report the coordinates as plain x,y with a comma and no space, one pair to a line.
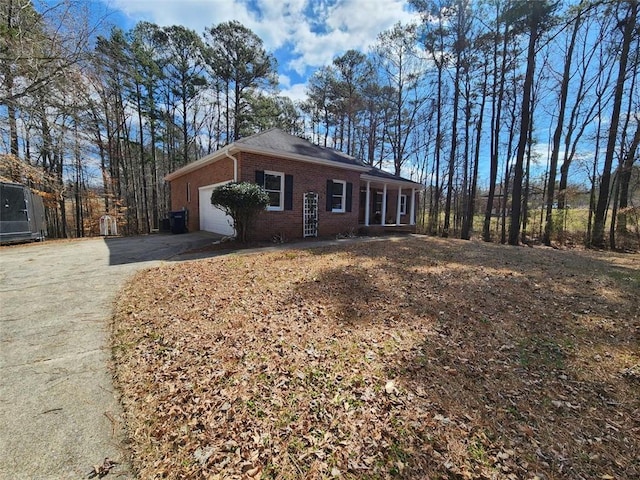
242,202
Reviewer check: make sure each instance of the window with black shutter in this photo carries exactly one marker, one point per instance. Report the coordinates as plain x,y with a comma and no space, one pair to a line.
288,192
339,196
274,185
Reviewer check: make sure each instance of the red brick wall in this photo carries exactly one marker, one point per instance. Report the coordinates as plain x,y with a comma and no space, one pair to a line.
307,177
288,223
220,171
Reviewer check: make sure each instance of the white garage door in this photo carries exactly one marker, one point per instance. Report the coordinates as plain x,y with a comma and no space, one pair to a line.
213,219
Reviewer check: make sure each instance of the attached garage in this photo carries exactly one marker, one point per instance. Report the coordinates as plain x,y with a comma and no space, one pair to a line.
213,219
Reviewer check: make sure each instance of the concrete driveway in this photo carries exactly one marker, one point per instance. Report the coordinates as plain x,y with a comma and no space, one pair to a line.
59,414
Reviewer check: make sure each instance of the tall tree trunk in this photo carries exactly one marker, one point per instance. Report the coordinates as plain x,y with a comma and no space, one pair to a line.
626,168
397,151
236,113
594,173
495,131
505,202
155,221
615,195
508,170
557,134
571,140
434,214
103,155
452,152
8,82
218,117
525,196
227,112
13,127
516,202
466,179
597,239
78,183
468,226
143,173
58,169
185,126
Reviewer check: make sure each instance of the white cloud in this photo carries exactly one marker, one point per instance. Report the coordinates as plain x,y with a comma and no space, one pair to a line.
277,20
367,19
194,14
309,33
349,24
285,80
297,92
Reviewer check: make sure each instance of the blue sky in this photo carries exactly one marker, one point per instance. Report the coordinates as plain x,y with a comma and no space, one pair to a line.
302,34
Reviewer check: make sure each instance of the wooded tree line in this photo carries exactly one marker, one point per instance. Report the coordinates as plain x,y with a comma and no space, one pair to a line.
127,107
501,108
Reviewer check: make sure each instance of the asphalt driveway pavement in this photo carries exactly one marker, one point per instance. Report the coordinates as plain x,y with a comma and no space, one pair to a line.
59,413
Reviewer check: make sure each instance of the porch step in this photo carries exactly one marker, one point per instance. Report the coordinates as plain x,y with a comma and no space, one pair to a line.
385,229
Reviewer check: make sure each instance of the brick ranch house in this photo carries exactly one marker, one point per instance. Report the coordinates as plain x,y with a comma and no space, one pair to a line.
315,191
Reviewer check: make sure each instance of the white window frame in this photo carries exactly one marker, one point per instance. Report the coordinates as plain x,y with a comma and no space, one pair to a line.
343,204
280,207
403,204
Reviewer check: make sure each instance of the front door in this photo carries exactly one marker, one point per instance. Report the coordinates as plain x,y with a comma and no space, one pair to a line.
310,214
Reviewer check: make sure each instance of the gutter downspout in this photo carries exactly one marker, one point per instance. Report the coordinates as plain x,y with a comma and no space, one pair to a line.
235,164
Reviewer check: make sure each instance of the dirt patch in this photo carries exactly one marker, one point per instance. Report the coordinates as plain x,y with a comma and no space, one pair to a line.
414,358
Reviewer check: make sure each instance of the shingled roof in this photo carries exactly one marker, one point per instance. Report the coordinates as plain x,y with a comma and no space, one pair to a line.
278,141
381,174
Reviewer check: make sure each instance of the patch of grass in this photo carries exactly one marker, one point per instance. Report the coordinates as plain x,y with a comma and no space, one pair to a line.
395,458
628,277
541,353
478,452
255,409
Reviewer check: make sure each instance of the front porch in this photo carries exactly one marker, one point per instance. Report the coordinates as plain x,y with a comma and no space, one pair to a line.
387,204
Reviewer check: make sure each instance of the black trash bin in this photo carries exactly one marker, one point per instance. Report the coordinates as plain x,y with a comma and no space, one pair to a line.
165,225
178,221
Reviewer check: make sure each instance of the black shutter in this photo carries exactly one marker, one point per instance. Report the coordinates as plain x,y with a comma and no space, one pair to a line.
329,195
349,196
260,177
288,192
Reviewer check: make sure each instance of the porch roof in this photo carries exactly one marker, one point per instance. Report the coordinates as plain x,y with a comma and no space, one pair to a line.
376,175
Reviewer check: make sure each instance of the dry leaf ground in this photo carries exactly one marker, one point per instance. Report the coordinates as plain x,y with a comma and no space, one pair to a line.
414,358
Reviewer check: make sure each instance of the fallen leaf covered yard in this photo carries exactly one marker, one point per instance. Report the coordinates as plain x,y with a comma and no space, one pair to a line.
381,360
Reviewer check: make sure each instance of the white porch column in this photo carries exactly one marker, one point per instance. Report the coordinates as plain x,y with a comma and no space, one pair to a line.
384,205
398,206
367,205
412,215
